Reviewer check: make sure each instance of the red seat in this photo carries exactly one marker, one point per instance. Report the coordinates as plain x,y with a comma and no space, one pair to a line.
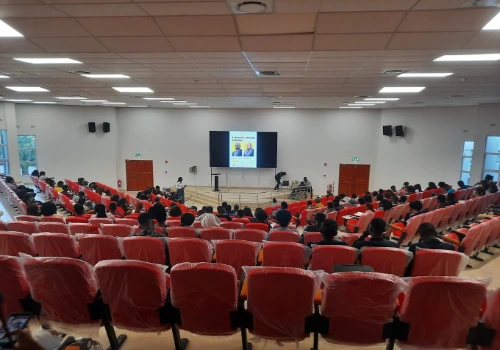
65,287
126,221
325,257
237,254
53,218
386,260
53,227
491,319
258,226
212,234
173,223
98,221
22,226
58,245
437,262
182,232
250,235
197,224
29,218
134,291
358,305
350,238
232,225
95,248
13,243
13,284
76,220
284,254
82,228
205,294
453,302
243,220
189,250
284,236
149,249
279,309
312,237
117,230
361,224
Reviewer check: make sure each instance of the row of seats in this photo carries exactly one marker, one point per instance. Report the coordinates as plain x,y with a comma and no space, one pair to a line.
204,299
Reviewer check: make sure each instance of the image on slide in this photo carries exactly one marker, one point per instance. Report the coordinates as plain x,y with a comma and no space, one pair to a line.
243,152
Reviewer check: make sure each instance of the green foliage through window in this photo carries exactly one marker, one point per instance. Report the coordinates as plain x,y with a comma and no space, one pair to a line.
4,153
27,153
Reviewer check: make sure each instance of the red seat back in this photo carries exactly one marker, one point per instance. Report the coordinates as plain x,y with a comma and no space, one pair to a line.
126,221
268,300
76,220
237,254
250,235
232,225
58,245
491,319
386,260
173,223
82,228
22,226
53,227
29,218
98,221
13,284
212,234
283,254
368,302
411,228
149,249
243,220
53,218
284,236
205,294
437,262
64,287
13,243
95,248
182,232
117,230
189,250
312,237
325,257
412,197
258,226
123,285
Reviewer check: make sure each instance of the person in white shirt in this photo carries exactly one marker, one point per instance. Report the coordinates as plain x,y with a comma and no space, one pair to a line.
180,189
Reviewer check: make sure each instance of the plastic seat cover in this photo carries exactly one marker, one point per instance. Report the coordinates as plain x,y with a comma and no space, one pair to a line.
149,249
386,260
237,254
55,245
116,230
284,254
13,284
13,243
191,250
95,248
325,257
53,227
251,235
22,226
437,262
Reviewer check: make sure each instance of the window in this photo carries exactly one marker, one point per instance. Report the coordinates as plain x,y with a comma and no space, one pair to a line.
27,153
4,154
492,157
466,161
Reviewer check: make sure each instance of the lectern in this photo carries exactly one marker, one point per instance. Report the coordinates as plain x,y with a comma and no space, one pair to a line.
216,182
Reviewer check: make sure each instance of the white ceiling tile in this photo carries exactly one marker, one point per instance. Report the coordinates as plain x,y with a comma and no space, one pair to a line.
359,22
100,10
120,26
326,42
283,57
47,27
296,42
29,11
297,6
205,43
439,5
423,41
366,5
79,44
186,8
484,40
276,24
136,44
196,25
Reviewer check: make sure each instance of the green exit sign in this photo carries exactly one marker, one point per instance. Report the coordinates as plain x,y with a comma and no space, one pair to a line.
355,159
138,155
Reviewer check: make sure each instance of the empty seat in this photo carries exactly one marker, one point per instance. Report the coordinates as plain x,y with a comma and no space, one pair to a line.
54,227
250,235
212,234
386,260
95,248
362,223
243,220
174,223
53,218
232,225
149,249
358,305
284,254
13,243
258,226
237,254
284,236
76,220
312,237
437,262
189,250
29,218
22,226
182,232
280,309
82,228
55,245
491,319
98,221
134,291
325,257
205,295
13,284
116,230
453,302
126,221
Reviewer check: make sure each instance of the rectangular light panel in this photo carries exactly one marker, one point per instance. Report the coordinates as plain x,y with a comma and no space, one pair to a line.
382,99
114,103
27,88
45,103
71,98
284,107
94,101
173,101
199,106
424,75
133,89
7,31
15,100
159,98
106,76
350,107
401,89
374,102
4,77
363,104
469,58
494,24
48,60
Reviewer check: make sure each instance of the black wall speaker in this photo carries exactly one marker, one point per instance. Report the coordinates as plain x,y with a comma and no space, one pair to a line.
106,127
387,130
92,127
400,131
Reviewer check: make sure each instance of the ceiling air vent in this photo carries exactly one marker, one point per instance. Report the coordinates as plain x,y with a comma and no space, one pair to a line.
242,7
268,72
395,71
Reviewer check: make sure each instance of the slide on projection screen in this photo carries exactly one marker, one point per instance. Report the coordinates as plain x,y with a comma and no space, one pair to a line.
243,149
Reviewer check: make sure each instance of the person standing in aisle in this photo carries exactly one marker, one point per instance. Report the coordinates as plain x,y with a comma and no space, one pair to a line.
278,179
180,189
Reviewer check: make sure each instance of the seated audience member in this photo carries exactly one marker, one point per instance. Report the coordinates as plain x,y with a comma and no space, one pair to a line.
9,180
410,189
337,206
388,194
479,191
29,198
248,212
402,199
80,181
115,198
139,208
493,188
260,217
233,213
42,176
35,173
80,211
160,215
176,212
33,210
395,200
49,209
240,214
59,186
283,206
415,209
221,213
187,219
113,210
318,203
283,217
405,186
376,231
76,197
329,230
329,193
368,198
319,219
441,201
385,205
393,189
275,204
65,191
361,201
146,226
448,188
462,185
122,207
210,221
329,208
100,213
310,205
432,186
379,197
450,199
428,239
418,188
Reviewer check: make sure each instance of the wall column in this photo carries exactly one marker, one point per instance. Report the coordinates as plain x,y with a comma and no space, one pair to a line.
11,127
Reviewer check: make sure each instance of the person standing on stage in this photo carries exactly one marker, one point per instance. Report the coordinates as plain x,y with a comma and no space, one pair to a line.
180,189
278,179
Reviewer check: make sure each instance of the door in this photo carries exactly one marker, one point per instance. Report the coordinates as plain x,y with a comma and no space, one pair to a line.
139,174
354,178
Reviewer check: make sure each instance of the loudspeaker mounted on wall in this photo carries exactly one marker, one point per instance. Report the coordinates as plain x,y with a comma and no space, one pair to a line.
92,127
400,131
193,170
387,130
106,127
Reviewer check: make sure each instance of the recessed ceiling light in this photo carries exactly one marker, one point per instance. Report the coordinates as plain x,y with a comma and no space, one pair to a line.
7,31
467,58
48,60
364,104
402,89
159,98
133,89
27,88
424,75
184,103
106,76
45,103
4,77
113,103
374,102
351,107
71,98
494,24
284,107
14,100
382,99
199,106
94,101
172,101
